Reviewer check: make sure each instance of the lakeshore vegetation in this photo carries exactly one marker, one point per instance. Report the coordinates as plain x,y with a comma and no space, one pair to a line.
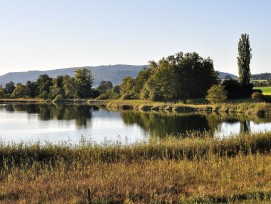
197,169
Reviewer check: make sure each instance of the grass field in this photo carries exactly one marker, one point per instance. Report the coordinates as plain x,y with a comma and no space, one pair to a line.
171,170
259,80
266,90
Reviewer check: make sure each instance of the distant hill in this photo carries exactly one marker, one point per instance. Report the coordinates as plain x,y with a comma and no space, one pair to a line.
113,73
262,76
222,75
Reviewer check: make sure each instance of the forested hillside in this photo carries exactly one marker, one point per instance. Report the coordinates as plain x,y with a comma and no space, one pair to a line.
262,76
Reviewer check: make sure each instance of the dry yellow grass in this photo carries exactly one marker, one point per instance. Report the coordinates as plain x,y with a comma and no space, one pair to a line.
215,179
202,170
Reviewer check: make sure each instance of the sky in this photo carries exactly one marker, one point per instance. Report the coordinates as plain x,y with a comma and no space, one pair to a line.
52,34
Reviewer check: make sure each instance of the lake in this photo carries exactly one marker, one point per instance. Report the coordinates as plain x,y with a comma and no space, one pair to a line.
72,123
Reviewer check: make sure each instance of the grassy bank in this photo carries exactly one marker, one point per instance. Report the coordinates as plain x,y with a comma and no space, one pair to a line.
245,107
250,108
195,169
21,100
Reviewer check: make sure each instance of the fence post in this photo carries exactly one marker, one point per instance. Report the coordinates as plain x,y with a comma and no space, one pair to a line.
89,201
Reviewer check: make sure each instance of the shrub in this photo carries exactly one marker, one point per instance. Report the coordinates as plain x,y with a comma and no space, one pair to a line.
257,91
233,88
267,98
216,94
257,96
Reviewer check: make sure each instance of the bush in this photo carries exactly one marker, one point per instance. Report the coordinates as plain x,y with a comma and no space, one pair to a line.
233,88
267,98
257,91
257,96
216,94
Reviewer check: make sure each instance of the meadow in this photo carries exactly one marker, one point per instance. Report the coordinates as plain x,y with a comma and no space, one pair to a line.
198,169
265,90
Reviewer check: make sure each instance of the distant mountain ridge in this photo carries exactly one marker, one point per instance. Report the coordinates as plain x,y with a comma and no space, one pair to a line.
262,76
222,75
113,73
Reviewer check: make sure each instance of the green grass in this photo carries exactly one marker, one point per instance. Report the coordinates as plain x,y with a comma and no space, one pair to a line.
198,169
259,80
265,90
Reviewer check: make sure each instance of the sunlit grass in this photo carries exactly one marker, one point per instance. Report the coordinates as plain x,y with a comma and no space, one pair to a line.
213,179
265,90
196,169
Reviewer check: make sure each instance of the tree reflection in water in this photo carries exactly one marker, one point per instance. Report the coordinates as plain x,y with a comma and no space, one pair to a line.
245,126
153,123
82,114
158,124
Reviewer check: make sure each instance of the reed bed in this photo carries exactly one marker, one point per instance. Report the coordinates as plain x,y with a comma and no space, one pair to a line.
199,169
193,145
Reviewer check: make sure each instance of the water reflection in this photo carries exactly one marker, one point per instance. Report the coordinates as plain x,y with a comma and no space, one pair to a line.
158,124
46,122
80,113
245,126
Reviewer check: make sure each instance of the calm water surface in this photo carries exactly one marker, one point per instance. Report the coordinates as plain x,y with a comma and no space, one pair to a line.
32,122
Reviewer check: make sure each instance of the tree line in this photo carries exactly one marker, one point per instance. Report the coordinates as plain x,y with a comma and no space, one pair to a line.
61,87
79,86
176,77
179,76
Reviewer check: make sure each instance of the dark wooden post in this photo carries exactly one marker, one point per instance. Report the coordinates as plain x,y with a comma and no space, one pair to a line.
89,201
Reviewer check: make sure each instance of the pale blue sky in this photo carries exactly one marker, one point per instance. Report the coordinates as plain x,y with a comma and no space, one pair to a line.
50,34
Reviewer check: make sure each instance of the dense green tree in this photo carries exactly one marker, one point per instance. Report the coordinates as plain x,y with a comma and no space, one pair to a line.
216,94
19,91
233,88
2,94
179,76
104,87
44,95
31,89
244,57
69,86
162,83
141,79
115,93
196,75
57,87
44,83
83,81
127,88
9,87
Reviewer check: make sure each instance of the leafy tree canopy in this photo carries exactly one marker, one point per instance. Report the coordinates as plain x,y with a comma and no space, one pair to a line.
83,81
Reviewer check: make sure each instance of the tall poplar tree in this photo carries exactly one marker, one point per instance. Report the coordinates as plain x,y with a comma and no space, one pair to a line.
244,57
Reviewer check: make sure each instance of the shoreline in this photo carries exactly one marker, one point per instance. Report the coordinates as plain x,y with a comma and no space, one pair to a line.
259,108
